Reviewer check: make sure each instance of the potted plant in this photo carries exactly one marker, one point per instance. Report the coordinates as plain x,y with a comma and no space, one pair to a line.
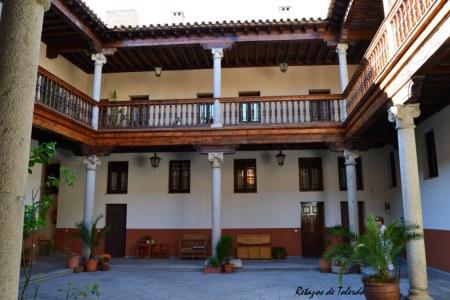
91,238
336,235
340,258
212,265
278,252
379,248
224,250
104,262
324,265
73,261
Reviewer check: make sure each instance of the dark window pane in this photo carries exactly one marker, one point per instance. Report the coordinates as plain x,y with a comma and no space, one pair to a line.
117,177
179,176
431,155
310,174
393,169
245,175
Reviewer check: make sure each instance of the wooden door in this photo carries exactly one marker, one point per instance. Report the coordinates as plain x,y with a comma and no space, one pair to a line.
361,215
116,220
312,217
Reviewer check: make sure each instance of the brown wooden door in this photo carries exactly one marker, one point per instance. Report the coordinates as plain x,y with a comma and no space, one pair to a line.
312,228
116,220
361,215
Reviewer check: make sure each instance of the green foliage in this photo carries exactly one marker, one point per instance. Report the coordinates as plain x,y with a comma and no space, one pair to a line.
213,262
72,292
379,249
224,248
339,230
340,255
91,236
35,213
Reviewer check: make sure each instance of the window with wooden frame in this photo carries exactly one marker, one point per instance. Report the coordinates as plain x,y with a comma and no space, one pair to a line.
310,174
343,174
179,176
245,175
117,177
431,155
206,110
249,111
393,169
320,110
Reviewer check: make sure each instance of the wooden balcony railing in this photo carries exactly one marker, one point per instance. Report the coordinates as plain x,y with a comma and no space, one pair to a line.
398,25
238,111
60,96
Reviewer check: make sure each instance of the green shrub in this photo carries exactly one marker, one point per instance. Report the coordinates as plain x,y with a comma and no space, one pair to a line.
278,252
213,262
225,248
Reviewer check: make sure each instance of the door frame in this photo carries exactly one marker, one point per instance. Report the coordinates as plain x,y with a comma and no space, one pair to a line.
125,231
320,204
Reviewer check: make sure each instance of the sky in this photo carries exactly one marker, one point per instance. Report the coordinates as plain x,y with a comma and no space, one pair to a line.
159,12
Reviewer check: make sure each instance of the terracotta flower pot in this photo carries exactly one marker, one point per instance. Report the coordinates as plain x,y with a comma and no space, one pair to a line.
382,291
73,262
105,266
211,270
325,266
91,265
228,268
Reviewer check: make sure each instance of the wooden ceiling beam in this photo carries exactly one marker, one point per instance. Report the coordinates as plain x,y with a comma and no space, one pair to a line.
74,21
227,39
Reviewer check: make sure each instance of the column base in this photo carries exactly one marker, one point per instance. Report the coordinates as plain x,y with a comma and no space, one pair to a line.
416,294
219,125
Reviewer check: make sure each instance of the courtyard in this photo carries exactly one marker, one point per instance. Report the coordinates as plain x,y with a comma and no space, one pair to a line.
182,279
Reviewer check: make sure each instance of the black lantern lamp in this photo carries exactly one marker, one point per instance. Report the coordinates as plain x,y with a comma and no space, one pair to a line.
155,160
280,158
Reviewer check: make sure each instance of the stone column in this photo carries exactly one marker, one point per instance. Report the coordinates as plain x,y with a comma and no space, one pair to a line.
403,116
217,86
99,60
216,159
91,163
20,35
387,7
341,50
350,170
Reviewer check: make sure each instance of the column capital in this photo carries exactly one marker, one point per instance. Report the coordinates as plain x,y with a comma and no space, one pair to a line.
91,162
350,157
46,3
216,159
403,115
99,58
341,49
217,53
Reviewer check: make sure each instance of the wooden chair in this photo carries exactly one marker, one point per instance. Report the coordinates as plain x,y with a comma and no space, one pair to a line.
192,246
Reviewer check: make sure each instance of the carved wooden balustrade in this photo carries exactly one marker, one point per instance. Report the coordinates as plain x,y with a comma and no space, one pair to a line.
397,27
60,96
236,111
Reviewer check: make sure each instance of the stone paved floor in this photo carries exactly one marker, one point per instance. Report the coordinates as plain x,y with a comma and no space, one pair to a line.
191,284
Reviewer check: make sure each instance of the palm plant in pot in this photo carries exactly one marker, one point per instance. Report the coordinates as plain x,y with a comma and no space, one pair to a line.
379,248
91,237
224,250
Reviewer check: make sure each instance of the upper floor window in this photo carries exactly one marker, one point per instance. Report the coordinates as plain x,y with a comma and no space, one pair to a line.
206,110
249,111
139,97
431,155
117,177
179,176
245,175
320,110
343,174
310,170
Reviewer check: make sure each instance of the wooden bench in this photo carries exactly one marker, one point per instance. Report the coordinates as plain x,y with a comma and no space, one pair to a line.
192,246
254,246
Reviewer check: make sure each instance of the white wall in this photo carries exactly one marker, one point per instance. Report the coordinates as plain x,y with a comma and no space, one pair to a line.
435,191
66,71
186,84
276,205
